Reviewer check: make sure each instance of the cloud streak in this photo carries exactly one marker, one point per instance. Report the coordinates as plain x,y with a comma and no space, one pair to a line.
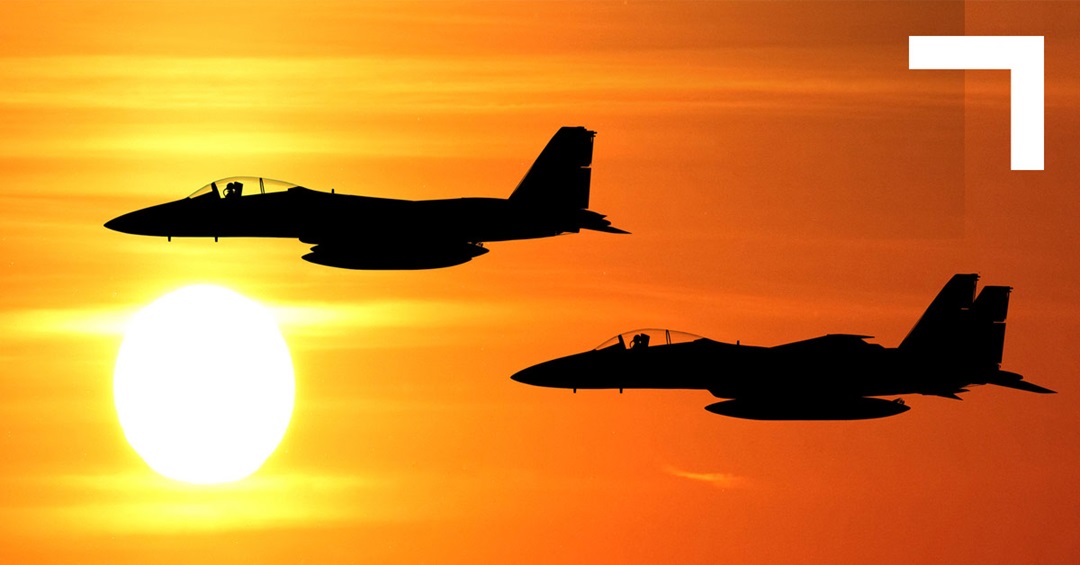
296,319
141,502
718,480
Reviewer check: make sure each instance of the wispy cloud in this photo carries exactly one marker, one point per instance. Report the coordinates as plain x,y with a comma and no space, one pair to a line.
314,317
141,502
324,322
256,83
321,105
718,480
38,322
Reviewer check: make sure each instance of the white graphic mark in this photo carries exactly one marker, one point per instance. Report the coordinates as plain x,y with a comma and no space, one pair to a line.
1020,54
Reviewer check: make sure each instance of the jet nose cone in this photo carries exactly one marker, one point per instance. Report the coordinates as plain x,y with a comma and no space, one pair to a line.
563,372
121,224
537,375
521,376
147,221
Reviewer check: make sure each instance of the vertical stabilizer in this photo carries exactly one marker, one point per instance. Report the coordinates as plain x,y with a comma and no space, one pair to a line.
560,176
992,304
966,335
987,324
961,327
942,318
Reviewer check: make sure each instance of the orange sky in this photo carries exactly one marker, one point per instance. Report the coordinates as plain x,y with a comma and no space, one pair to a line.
784,176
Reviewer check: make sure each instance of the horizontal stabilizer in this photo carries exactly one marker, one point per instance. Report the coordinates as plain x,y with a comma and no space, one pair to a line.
1013,380
609,229
589,220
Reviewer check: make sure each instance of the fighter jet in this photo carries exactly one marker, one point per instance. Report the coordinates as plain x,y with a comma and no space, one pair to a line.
361,232
956,343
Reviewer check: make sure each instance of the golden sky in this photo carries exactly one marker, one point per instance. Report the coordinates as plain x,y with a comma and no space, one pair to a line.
784,176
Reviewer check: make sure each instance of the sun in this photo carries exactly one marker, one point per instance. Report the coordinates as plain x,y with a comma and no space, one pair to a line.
204,385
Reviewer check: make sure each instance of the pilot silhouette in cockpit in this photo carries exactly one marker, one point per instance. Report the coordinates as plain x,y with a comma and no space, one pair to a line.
234,189
640,340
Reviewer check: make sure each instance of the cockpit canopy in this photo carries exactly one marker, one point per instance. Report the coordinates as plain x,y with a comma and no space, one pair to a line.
236,187
649,337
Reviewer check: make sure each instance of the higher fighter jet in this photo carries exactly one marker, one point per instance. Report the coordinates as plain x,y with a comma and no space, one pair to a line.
361,232
957,343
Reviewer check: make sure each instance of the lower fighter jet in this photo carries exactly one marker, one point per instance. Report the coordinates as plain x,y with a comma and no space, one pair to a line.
360,232
958,342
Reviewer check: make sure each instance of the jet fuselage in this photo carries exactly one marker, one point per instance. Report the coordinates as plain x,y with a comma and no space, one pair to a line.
361,232
828,366
313,216
958,341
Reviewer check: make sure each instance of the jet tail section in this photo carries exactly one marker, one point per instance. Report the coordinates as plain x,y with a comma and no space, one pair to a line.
560,176
962,329
960,325
992,304
987,323
938,324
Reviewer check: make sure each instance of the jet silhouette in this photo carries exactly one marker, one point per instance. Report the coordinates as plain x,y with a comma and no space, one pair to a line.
360,232
956,343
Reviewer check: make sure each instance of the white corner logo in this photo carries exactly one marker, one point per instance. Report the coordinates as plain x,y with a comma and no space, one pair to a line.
1020,54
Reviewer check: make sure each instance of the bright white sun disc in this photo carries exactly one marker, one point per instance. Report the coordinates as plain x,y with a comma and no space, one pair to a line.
204,385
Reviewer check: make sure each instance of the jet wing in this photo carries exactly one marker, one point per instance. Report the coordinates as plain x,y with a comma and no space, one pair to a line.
368,233
827,343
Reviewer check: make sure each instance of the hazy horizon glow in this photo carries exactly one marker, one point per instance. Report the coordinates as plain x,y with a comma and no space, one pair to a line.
783,173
